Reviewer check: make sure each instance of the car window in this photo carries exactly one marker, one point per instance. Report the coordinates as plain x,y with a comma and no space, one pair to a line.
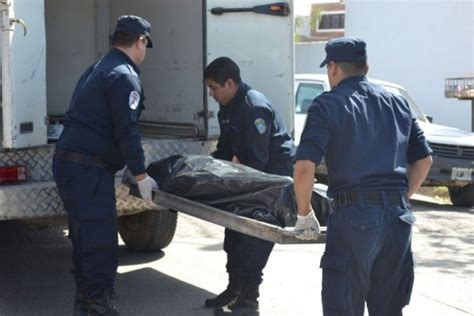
306,94
415,111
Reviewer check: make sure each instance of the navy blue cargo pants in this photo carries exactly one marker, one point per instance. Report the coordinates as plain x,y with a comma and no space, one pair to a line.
88,194
247,255
368,258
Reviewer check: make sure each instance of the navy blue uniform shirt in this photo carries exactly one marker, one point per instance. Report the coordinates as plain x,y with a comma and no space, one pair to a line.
366,135
102,119
252,131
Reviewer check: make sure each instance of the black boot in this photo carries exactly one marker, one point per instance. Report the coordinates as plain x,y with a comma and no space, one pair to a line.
245,305
101,304
231,293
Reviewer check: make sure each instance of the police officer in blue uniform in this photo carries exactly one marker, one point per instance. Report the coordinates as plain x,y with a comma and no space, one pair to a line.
100,136
377,157
253,134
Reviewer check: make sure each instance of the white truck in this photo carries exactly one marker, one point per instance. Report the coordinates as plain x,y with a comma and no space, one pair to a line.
453,148
47,44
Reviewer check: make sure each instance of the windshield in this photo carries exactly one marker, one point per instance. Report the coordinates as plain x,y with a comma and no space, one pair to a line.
415,111
305,95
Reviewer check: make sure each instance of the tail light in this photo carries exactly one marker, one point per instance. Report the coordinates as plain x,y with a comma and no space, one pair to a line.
11,174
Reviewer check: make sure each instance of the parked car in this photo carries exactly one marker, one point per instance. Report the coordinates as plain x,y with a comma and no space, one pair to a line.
453,158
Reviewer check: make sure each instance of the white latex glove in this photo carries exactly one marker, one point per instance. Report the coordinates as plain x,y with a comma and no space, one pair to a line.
307,227
146,187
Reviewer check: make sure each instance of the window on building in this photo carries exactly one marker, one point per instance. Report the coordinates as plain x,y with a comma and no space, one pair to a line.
331,21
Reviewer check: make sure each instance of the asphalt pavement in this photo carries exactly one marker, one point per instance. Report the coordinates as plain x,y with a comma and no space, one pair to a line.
35,267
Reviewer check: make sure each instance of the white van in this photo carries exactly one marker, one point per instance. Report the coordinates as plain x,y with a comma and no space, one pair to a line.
453,159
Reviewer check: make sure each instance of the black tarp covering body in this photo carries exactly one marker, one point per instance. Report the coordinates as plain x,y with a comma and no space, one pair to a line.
234,188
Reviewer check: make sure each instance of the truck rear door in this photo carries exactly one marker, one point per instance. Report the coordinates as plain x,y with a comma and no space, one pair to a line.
23,74
260,41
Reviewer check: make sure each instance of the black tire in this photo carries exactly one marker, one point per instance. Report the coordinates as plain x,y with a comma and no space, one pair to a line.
148,231
462,196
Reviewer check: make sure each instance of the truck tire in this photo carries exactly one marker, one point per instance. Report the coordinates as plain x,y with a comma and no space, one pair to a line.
462,196
148,231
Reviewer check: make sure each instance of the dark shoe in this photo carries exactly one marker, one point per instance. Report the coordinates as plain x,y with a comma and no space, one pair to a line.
222,299
240,307
104,304
245,305
230,294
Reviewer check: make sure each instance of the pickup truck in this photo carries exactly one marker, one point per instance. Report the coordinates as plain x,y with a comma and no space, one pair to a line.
453,159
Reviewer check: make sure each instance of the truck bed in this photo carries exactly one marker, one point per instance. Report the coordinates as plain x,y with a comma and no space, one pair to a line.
232,221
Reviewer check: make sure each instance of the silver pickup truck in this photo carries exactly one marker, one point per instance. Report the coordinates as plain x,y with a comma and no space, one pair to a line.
453,159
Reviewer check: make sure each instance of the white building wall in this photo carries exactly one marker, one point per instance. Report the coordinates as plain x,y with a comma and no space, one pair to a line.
304,28
308,57
418,44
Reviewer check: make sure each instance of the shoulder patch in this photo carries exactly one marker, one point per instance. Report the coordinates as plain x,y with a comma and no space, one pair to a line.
256,99
134,100
260,125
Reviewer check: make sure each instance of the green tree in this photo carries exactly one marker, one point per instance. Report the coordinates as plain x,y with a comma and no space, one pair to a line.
315,19
298,23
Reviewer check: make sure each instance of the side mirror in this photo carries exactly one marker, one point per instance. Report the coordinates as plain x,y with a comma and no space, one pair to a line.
429,118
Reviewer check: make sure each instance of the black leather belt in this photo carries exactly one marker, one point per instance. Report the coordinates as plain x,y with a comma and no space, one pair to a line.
368,197
81,158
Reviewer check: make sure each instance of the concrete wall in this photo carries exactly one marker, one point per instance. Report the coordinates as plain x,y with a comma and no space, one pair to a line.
308,56
418,44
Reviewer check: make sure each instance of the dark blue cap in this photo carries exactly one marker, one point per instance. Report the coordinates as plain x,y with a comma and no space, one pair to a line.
345,49
134,24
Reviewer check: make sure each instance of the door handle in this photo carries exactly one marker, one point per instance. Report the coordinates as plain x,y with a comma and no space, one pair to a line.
277,8
18,21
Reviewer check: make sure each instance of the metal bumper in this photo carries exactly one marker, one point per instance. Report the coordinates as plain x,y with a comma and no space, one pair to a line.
31,200
440,172
39,198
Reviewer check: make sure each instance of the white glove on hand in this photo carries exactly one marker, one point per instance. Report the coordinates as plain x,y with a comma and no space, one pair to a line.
307,227
146,187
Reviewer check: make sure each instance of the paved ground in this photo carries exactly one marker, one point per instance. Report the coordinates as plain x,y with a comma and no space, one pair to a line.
35,278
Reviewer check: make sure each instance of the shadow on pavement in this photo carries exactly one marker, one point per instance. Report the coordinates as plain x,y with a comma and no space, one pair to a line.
129,257
36,280
149,292
214,247
17,233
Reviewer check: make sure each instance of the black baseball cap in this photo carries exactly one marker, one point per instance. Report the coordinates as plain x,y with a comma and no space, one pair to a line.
345,49
136,25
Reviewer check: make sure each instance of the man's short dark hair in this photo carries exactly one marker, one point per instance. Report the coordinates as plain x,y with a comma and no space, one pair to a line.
354,69
124,39
221,69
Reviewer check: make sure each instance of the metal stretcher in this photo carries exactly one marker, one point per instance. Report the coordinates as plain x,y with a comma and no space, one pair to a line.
232,221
